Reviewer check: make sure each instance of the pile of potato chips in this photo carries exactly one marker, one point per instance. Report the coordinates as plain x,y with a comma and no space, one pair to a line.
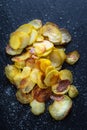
38,55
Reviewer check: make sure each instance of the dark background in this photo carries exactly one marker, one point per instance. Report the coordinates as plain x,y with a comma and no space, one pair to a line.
70,14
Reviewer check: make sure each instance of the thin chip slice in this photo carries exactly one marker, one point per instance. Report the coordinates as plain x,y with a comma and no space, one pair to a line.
29,86
66,37
40,82
34,75
22,57
36,23
44,63
61,87
33,37
25,28
52,31
51,78
23,97
13,52
55,58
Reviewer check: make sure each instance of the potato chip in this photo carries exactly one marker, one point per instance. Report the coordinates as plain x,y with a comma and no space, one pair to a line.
51,78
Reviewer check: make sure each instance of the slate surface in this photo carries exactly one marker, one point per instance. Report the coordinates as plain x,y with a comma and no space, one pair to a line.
66,13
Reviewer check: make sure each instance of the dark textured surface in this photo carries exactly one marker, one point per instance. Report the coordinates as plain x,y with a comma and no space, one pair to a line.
67,13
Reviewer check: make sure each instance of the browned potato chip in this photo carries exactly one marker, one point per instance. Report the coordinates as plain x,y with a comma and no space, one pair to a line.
23,97
41,95
61,87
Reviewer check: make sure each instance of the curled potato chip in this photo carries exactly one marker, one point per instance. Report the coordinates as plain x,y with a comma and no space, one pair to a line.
33,37
51,78
44,63
66,74
48,69
42,47
56,97
66,37
41,95
40,82
22,75
39,38
61,87
27,28
39,48
13,52
73,91
23,97
22,57
62,54
29,85
37,108
36,23
20,64
60,109
30,62
55,58
48,45
18,40
15,42
34,75
53,33
11,71
46,53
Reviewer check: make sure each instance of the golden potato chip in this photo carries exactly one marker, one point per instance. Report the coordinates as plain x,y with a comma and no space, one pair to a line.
44,63
18,40
22,57
52,31
20,64
33,37
13,52
21,75
29,85
39,38
48,69
55,58
40,82
27,28
51,78
23,97
34,75
11,71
